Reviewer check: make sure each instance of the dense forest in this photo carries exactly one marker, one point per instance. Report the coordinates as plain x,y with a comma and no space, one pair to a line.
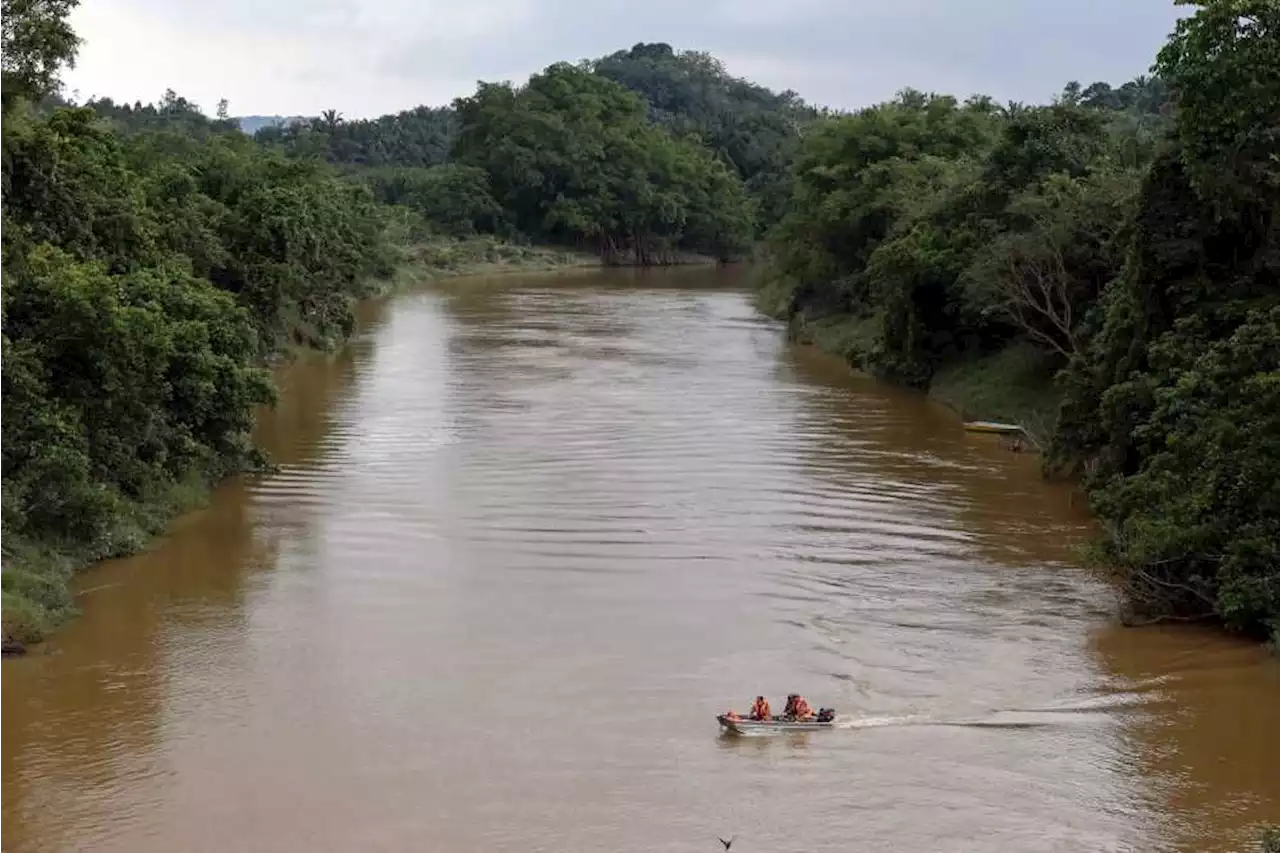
696,120
573,157
1104,270
755,130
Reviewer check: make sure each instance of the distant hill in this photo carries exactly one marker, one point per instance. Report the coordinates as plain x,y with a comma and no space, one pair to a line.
252,124
755,129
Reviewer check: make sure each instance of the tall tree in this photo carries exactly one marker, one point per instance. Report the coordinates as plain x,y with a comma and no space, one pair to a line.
37,43
574,158
1223,63
1174,407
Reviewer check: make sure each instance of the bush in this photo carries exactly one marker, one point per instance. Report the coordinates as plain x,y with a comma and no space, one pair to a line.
21,620
46,593
452,199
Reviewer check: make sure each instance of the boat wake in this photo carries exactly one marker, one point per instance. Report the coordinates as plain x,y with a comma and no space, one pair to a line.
993,722
1020,719
880,722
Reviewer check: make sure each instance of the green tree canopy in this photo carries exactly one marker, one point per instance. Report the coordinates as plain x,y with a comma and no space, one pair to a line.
37,43
573,158
755,130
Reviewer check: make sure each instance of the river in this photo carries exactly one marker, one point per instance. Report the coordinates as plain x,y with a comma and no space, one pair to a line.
529,535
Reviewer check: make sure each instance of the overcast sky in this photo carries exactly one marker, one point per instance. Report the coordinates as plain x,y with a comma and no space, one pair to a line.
369,57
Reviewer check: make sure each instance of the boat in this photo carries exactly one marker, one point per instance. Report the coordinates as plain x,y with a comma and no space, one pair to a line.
745,726
992,426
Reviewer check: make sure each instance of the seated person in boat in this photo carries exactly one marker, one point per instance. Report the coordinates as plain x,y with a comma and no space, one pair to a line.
760,709
797,708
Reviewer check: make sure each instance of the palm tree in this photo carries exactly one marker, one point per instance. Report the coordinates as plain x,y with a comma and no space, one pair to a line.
330,119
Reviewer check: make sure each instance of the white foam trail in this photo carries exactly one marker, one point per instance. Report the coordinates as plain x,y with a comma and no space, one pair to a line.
879,722
992,720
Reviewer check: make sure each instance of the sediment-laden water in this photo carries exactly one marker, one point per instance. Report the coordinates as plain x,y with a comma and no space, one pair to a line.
530,535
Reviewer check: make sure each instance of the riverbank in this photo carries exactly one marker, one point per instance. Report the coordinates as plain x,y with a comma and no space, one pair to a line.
439,258
37,576
1013,385
448,257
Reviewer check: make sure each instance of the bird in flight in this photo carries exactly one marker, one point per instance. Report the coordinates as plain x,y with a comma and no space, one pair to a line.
727,844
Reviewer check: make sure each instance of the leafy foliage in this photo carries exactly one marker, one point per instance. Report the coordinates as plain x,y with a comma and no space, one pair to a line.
1130,237
1174,405
933,219
573,158
1223,64
37,41
755,130
420,137
454,199
151,258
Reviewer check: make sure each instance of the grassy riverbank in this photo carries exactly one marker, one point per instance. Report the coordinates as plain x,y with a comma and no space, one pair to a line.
441,257
454,257
38,574
1013,385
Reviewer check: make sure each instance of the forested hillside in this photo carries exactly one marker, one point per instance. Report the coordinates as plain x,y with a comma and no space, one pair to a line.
688,97
573,158
1103,270
172,113
753,129
420,137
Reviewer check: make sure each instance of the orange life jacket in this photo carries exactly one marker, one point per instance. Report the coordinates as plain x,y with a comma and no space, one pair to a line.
802,709
760,710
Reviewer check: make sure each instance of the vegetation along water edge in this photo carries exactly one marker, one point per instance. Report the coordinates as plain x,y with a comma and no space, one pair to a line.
1101,269
155,258
1104,270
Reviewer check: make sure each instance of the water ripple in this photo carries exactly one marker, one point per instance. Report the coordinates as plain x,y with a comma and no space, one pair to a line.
526,541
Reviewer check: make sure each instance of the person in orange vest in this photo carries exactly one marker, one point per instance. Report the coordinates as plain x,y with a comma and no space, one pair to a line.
760,709
797,708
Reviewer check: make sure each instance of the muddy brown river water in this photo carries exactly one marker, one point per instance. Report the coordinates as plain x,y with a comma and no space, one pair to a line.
530,535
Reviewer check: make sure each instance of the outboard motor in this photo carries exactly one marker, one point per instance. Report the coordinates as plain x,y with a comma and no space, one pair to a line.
826,715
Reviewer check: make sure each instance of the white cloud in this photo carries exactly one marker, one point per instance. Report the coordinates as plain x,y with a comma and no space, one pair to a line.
330,55
132,56
366,58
